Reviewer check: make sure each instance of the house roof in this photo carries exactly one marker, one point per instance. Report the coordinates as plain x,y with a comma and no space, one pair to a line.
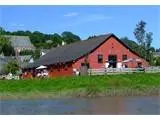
4,60
24,58
20,41
45,50
73,51
157,53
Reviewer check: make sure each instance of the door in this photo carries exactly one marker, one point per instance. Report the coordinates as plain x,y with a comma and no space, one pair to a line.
84,68
112,61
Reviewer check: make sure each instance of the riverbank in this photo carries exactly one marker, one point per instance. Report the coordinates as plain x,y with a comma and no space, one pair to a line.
82,86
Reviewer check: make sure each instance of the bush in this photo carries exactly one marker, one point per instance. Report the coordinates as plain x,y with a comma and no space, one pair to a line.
27,52
11,67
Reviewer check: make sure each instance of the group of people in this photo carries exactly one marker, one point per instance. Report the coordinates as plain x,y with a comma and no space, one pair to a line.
36,73
42,73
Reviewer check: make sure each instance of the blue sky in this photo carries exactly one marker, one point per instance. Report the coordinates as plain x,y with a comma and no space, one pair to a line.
82,20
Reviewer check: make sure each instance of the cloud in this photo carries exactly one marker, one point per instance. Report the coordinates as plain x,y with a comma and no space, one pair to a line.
16,25
71,14
90,18
96,17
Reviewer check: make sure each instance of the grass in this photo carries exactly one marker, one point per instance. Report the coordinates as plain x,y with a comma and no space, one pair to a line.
82,86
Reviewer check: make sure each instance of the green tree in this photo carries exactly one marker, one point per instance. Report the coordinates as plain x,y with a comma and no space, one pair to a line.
5,44
26,52
132,44
158,61
2,31
148,40
69,37
148,48
140,32
8,50
36,54
37,37
144,39
57,39
11,67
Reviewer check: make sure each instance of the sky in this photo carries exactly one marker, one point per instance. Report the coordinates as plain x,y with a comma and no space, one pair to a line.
84,21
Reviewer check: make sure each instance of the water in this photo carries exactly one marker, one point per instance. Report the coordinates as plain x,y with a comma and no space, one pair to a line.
104,105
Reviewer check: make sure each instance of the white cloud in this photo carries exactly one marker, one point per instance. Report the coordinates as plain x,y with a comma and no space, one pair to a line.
96,17
71,14
16,25
90,18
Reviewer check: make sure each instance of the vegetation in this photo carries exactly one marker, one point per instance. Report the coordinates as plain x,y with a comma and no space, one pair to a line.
85,86
36,54
11,67
156,61
132,44
144,40
26,52
40,40
5,45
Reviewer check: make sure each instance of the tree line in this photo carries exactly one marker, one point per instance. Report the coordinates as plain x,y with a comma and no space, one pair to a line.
46,41
5,45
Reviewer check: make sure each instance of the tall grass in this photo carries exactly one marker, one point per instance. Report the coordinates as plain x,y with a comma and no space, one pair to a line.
82,85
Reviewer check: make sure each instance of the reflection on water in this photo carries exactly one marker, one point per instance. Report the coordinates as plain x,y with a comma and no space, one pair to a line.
105,105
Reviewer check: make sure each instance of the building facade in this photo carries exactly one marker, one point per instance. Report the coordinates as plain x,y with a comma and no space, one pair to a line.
99,52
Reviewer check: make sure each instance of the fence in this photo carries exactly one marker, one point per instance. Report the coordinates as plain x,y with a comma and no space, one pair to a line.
103,71
152,69
7,77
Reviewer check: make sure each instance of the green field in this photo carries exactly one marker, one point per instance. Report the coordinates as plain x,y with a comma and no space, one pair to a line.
82,86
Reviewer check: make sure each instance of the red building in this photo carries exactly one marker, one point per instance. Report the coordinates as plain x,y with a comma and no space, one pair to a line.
98,52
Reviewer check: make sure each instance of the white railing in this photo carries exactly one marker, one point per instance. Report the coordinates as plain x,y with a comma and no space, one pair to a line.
152,69
7,77
103,71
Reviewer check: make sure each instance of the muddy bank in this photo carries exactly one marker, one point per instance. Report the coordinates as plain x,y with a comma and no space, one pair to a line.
81,93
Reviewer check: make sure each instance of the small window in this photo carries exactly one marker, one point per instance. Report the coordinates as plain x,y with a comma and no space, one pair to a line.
100,58
85,64
124,57
82,64
139,65
65,67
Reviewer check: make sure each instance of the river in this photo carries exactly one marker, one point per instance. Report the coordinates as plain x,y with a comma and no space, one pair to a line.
81,106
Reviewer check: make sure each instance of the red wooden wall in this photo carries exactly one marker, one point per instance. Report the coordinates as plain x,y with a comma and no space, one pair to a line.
61,70
110,47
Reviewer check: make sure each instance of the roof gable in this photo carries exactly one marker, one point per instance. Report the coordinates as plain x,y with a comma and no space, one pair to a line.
20,41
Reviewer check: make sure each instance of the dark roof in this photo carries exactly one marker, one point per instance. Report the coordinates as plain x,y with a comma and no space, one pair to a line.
4,60
73,51
157,53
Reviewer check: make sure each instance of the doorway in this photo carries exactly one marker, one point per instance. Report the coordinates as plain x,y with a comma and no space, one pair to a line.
84,68
112,59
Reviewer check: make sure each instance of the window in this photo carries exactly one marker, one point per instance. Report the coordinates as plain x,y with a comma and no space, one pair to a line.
139,65
82,64
124,57
85,64
65,67
100,58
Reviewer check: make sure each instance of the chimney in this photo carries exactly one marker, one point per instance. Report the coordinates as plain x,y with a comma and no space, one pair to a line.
17,51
